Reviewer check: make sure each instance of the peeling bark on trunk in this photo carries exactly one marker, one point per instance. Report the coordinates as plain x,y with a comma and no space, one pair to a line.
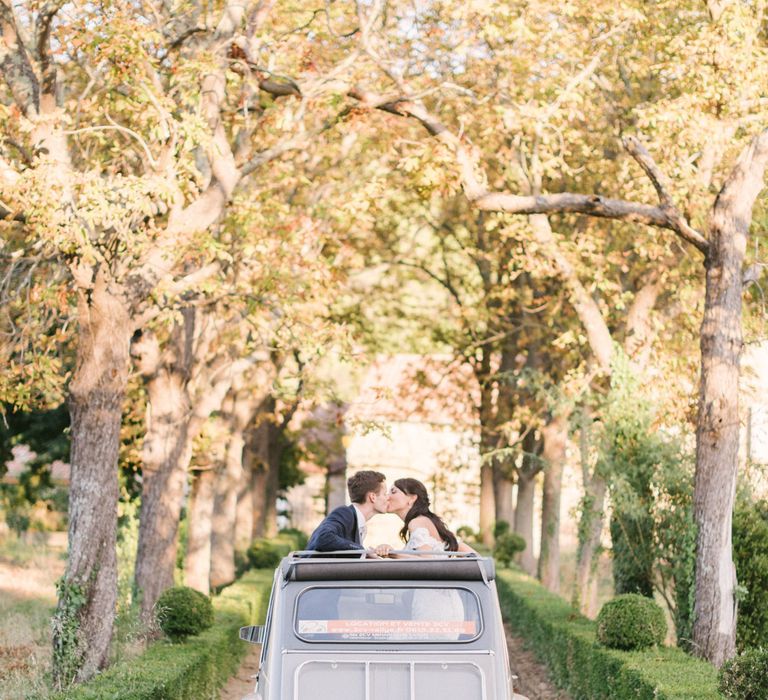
96,396
259,499
554,436
197,568
717,431
166,453
591,526
186,384
244,509
639,337
526,490
240,408
222,526
265,443
255,465
255,471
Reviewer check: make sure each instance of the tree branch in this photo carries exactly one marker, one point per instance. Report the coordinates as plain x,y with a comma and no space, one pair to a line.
745,182
43,33
476,191
644,159
270,154
116,127
434,276
7,214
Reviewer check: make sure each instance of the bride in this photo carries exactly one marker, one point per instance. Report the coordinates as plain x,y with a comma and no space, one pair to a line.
423,530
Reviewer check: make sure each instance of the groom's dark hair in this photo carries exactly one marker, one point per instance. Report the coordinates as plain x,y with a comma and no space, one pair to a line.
362,483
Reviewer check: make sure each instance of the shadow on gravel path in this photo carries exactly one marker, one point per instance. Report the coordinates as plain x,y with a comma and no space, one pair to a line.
532,676
243,682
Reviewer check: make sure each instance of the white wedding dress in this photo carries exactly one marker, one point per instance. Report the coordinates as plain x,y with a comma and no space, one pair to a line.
442,604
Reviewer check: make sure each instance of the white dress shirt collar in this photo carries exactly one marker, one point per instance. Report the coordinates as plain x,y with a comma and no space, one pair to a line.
361,524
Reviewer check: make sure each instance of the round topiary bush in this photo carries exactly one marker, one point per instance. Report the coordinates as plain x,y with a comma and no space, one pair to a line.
630,622
745,677
183,612
263,554
506,546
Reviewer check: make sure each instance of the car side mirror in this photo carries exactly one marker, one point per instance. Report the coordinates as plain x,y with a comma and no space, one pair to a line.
253,634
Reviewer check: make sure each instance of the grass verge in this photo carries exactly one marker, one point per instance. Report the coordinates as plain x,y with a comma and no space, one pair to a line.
192,670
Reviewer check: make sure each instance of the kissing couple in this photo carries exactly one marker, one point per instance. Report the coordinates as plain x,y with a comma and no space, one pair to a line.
344,528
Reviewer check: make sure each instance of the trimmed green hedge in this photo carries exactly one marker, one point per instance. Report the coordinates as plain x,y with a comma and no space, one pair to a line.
195,669
566,642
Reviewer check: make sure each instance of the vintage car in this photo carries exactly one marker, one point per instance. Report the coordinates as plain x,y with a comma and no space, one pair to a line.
418,628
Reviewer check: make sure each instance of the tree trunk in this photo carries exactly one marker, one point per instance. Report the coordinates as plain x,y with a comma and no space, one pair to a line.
526,489
96,396
336,485
166,454
504,468
197,569
587,309
240,407
244,510
487,445
554,436
254,467
590,530
502,491
717,430
487,506
276,447
259,500
186,384
222,549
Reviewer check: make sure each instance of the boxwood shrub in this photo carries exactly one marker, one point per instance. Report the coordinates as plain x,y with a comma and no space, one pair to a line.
745,677
567,643
195,669
631,621
182,612
266,553
506,546
750,555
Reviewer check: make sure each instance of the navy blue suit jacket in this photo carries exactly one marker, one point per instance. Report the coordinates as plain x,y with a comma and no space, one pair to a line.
337,532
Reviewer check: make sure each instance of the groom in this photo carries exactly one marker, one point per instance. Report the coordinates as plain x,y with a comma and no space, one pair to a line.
344,527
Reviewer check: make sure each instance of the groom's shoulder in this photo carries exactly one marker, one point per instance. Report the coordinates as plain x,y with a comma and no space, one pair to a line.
342,511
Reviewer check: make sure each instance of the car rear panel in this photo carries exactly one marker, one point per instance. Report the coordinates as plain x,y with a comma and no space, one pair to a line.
387,676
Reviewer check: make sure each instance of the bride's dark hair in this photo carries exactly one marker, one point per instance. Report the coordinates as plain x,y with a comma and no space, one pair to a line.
413,487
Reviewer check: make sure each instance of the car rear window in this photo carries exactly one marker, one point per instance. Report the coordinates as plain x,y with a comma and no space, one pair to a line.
391,614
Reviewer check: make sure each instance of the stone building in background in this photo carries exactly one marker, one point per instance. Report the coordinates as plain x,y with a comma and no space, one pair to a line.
413,416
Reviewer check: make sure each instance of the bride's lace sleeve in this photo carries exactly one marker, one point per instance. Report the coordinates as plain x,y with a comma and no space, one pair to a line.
420,537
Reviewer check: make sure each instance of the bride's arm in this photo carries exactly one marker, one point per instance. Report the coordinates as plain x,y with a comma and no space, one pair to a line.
464,547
